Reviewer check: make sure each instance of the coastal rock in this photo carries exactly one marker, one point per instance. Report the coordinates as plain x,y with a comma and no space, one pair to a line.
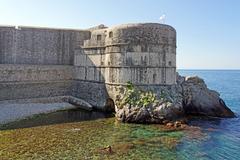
147,114
201,101
167,109
189,97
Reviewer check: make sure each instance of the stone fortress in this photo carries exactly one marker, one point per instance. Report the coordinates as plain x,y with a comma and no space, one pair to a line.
87,64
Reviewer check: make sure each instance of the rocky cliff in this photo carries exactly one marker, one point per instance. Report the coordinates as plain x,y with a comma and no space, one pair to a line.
189,97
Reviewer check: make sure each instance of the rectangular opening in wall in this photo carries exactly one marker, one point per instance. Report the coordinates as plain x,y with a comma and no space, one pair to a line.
99,37
110,34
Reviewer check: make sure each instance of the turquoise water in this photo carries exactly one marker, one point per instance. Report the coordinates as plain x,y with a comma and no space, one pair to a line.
222,139
84,135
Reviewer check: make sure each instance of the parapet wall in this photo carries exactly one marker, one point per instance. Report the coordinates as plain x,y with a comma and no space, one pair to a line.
145,33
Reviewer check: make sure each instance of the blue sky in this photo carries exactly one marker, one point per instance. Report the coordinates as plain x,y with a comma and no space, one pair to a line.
208,31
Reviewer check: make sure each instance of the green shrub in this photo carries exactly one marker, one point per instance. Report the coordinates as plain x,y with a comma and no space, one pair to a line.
136,97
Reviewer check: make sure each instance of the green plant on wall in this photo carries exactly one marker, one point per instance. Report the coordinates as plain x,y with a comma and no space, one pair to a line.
136,97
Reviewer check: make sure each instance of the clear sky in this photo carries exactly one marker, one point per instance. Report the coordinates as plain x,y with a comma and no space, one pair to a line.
208,31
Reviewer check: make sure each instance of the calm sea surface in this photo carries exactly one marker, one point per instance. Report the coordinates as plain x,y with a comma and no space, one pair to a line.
223,139
84,135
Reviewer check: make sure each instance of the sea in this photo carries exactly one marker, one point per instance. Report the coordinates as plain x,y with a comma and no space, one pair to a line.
223,139
79,134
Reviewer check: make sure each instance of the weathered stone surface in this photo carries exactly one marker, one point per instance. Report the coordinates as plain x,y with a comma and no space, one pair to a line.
199,100
78,102
95,64
144,54
12,110
45,46
192,97
88,64
34,81
169,108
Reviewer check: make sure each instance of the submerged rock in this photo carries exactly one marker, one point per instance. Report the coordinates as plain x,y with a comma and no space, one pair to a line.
189,97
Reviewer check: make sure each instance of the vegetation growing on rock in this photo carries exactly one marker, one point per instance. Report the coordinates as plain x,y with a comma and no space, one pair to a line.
137,97
189,97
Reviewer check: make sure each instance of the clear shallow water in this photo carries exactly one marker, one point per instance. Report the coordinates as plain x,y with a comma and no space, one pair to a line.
215,139
223,140
63,116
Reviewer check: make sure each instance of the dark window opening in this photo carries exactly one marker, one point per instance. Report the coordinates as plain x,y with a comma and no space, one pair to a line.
110,34
99,37
170,63
154,78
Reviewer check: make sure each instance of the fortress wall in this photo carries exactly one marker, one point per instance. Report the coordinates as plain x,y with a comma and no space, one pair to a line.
97,38
141,68
150,33
143,54
7,43
28,45
32,73
88,65
89,80
93,92
36,62
35,81
39,89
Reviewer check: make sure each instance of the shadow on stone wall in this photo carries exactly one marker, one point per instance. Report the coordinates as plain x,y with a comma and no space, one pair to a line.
89,80
38,62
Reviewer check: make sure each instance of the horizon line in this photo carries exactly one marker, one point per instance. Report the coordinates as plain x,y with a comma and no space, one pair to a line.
209,69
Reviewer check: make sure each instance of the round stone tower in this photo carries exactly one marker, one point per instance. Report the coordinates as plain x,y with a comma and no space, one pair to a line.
144,54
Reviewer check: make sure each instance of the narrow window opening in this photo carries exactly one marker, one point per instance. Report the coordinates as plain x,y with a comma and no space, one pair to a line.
170,63
110,34
99,37
154,78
